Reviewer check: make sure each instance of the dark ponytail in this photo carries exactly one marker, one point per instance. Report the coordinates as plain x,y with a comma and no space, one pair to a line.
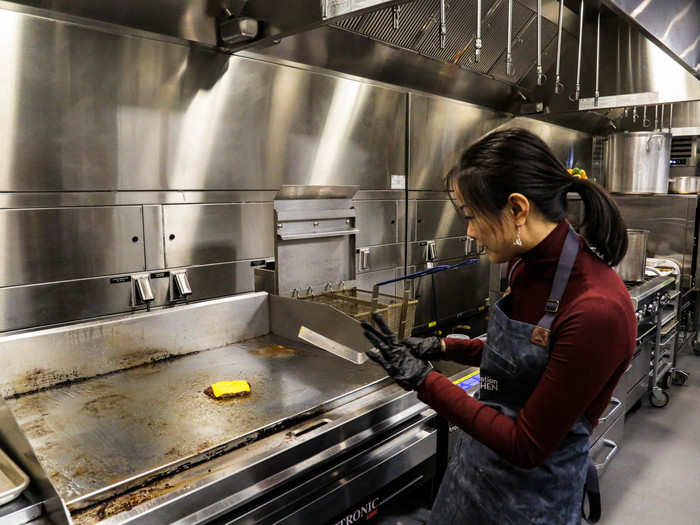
603,226
517,161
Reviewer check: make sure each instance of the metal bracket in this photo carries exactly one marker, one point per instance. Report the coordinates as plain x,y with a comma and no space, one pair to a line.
180,288
551,307
141,291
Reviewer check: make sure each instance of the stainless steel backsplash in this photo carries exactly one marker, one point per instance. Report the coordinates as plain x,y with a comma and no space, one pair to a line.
123,155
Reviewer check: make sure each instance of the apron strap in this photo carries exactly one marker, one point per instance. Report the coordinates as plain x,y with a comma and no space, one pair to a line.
561,279
591,490
512,270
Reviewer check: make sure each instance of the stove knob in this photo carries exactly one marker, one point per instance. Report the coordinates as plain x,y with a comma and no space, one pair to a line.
639,315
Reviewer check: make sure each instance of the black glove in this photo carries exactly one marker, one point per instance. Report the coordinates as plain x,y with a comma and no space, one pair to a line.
396,358
428,349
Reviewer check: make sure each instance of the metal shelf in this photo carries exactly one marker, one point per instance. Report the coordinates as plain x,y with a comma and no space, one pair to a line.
667,317
646,334
667,329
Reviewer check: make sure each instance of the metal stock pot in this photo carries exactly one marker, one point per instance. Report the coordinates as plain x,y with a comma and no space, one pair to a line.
631,268
637,163
684,185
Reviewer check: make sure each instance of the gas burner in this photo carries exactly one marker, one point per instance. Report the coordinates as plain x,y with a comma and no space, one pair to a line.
648,296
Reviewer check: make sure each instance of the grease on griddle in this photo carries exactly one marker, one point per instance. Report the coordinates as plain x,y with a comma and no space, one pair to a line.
275,351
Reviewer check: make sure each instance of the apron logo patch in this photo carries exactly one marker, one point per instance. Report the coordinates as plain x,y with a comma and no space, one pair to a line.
489,384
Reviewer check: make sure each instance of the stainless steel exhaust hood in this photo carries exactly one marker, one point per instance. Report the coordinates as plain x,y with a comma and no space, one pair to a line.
428,45
444,30
200,20
281,20
672,24
418,31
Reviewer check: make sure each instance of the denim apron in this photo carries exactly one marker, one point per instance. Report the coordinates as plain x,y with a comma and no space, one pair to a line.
482,488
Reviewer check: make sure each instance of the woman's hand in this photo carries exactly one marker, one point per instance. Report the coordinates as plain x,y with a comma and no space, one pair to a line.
427,349
396,358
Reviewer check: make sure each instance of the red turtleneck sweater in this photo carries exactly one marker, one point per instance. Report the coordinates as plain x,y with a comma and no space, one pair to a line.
593,340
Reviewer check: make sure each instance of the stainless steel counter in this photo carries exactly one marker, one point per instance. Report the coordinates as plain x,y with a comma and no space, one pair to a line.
98,437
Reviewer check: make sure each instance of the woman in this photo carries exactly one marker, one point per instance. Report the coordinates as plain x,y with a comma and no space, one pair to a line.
557,344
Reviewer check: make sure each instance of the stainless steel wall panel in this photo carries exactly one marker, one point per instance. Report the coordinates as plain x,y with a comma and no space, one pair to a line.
671,225
428,195
439,130
450,248
42,245
108,112
219,280
365,281
153,236
376,221
417,253
331,257
381,195
66,301
573,148
54,303
211,233
122,198
437,219
446,249
381,258
410,223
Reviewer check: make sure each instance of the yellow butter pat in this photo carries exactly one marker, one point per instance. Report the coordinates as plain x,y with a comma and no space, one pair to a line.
230,388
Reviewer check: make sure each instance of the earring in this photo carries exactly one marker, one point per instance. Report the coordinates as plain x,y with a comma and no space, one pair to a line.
518,241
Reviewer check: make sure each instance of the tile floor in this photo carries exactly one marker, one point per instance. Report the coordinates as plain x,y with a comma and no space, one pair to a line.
655,478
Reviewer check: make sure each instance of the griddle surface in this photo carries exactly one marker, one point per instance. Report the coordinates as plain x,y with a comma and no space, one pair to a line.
105,431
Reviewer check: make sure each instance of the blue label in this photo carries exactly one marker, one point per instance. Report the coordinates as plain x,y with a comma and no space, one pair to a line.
469,382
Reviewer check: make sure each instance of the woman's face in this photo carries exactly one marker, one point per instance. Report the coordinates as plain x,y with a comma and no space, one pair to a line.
496,236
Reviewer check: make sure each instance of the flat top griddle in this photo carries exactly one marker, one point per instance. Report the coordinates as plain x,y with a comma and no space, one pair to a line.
101,436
